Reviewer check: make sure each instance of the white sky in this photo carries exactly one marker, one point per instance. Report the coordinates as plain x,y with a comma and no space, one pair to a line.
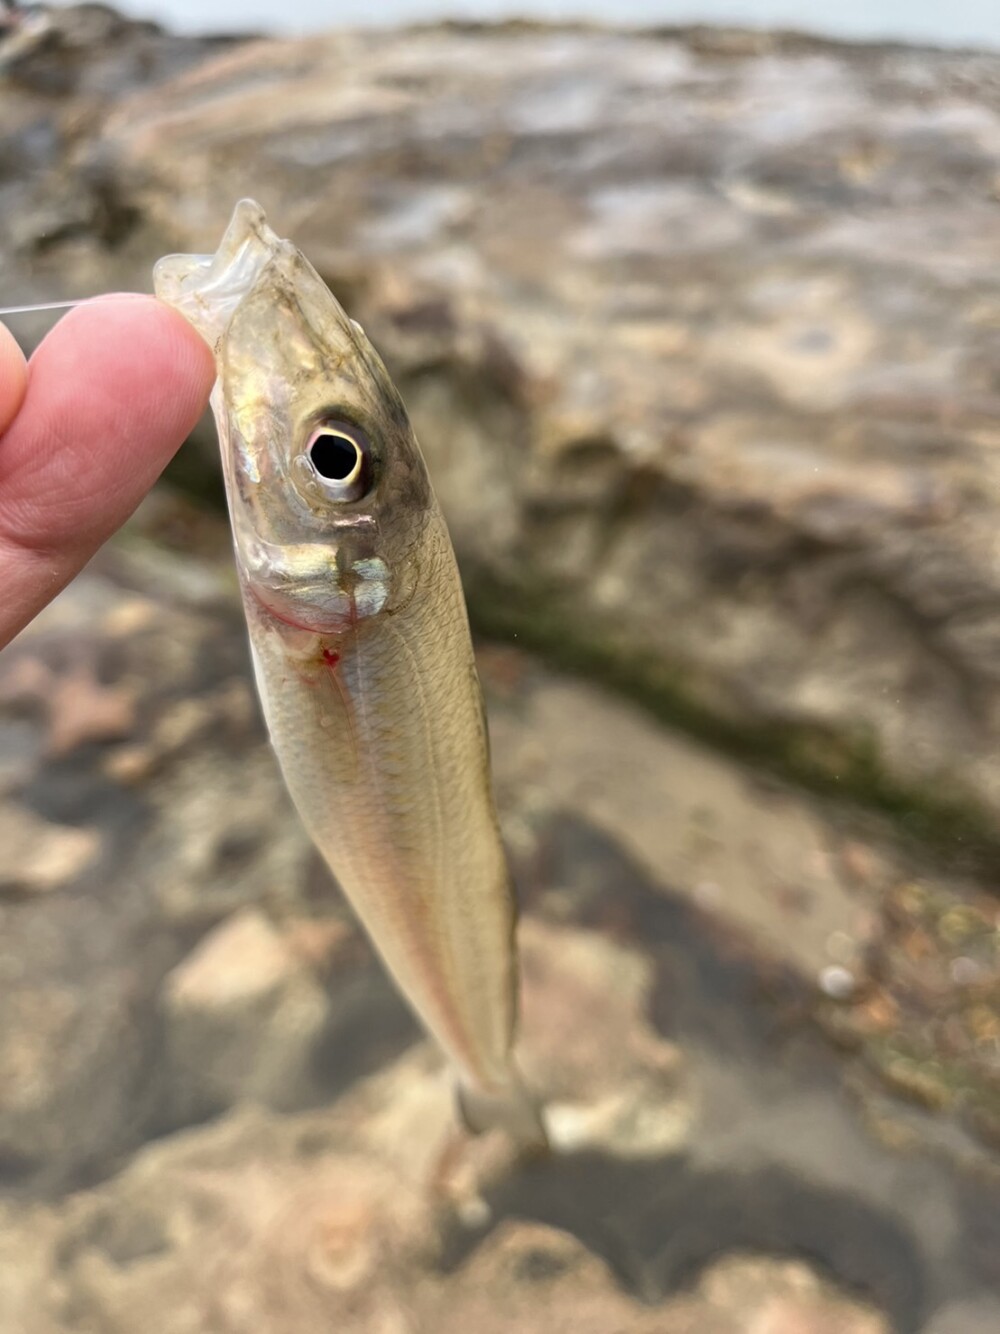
951,22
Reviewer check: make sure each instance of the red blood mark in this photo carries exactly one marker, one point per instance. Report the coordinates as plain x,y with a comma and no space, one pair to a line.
331,657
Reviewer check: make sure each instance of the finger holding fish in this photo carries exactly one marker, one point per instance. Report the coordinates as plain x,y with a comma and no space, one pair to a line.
86,427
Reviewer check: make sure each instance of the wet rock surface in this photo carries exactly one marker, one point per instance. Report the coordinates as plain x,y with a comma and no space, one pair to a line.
243,1016
699,332
216,1112
701,420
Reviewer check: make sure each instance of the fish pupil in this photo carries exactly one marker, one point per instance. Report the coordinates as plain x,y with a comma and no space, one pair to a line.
334,457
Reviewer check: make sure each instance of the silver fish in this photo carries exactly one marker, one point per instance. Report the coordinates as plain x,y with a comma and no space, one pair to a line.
361,645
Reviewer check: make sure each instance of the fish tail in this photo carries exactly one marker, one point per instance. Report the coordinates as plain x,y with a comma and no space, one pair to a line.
510,1108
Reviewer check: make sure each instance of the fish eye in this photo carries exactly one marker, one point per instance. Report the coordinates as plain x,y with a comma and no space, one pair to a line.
334,457
340,457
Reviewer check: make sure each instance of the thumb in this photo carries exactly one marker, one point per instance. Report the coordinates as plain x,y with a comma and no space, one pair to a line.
13,378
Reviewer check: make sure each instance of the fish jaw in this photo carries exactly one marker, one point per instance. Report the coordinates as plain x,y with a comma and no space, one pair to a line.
207,289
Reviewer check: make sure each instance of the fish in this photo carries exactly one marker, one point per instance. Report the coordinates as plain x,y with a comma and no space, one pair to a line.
361,647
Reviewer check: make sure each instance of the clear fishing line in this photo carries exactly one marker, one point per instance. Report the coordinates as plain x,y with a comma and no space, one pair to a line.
46,305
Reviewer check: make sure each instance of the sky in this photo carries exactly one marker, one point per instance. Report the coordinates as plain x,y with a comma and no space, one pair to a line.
941,22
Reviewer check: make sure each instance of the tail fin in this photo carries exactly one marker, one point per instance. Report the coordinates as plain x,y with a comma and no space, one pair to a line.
510,1108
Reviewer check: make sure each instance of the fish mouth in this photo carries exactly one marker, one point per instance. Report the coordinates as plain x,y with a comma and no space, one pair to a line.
207,289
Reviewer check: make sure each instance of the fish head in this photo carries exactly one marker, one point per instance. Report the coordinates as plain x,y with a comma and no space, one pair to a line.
327,489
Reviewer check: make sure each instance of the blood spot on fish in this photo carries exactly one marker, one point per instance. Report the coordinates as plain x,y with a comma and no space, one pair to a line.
331,657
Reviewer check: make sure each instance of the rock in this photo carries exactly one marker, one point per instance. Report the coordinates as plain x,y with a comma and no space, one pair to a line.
965,1317
342,1217
745,850
73,1058
27,1238
40,856
840,910
244,1016
678,911
701,353
60,67
538,1280
581,994
241,1226
119,850
754,1295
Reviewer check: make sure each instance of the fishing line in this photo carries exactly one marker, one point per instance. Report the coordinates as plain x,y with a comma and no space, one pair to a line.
46,305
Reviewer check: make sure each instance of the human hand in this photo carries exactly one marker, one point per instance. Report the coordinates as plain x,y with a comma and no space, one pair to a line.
85,430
